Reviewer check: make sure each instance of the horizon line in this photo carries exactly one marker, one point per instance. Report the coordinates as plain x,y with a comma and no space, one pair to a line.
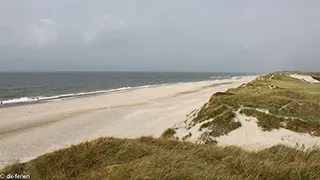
130,71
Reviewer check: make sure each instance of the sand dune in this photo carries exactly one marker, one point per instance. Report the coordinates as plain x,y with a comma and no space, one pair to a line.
31,130
251,137
304,78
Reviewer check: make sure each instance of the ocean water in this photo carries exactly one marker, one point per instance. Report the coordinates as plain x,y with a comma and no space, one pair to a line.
30,87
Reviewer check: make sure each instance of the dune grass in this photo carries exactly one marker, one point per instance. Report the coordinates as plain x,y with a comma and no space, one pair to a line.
168,134
277,93
222,124
270,121
149,158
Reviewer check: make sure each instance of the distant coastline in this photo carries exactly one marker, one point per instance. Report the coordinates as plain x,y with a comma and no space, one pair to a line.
65,90
41,99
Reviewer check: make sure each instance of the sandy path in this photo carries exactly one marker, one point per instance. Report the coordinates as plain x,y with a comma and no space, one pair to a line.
31,130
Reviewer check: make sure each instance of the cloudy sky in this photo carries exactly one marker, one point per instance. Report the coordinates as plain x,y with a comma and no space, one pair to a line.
159,35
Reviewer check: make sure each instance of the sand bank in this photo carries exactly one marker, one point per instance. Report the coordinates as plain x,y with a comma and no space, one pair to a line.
31,130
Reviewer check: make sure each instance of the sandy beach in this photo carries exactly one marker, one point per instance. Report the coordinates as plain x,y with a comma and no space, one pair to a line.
31,130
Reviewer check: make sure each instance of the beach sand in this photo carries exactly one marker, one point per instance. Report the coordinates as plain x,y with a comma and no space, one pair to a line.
31,130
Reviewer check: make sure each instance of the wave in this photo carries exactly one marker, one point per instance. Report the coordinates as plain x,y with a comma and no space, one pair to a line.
19,100
226,78
236,77
54,97
44,98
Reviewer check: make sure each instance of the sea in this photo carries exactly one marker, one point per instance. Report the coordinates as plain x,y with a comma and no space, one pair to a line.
27,87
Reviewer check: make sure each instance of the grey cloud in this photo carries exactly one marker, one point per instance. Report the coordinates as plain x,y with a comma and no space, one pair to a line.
41,34
180,35
105,30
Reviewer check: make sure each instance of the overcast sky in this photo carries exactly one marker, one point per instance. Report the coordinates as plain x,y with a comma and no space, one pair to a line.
159,35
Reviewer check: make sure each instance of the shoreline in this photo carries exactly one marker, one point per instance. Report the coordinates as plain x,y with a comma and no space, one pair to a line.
31,130
43,99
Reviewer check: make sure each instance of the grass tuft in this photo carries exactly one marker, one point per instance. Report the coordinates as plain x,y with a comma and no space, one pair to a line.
149,158
168,134
222,124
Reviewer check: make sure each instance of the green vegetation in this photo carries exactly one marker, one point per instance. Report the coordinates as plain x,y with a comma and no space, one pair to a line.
208,113
270,121
276,100
222,124
168,134
149,158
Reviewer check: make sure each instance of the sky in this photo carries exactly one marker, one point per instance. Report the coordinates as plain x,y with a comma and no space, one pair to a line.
159,35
